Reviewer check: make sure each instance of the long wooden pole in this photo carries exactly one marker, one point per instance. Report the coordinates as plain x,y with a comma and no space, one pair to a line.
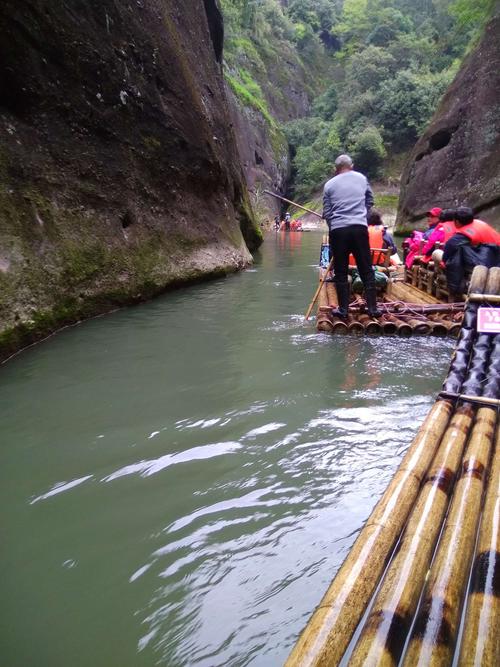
316,294
289,201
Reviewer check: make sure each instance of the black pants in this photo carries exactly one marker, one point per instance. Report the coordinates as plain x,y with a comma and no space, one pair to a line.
352,239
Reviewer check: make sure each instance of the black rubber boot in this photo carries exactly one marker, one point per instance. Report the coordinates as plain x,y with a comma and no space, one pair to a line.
371,302
343,299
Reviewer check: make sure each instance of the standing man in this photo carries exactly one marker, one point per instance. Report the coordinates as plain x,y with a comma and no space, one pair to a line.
347,198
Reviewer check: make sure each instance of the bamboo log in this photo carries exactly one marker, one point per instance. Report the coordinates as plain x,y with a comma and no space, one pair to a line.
332,295
421,309
318,291
493,282
485,298
370,325
354,325
403,329
338,326
329,631
383,636
438,327
417,326
407,292
480,645
388,325
454,330
435,631
323,322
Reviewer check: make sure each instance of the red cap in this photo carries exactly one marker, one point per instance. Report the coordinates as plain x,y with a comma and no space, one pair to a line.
436,211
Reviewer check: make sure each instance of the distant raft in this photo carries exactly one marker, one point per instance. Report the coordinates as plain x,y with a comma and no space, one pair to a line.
428,558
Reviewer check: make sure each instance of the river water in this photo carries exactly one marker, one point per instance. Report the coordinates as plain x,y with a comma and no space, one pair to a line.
180,480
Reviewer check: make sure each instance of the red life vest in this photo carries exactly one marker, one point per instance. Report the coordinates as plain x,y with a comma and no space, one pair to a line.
376,240
479,231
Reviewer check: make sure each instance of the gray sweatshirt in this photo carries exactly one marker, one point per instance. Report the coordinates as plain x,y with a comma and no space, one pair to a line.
346,199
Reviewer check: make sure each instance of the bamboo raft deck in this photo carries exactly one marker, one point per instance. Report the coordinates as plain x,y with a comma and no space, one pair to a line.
421,584
407,309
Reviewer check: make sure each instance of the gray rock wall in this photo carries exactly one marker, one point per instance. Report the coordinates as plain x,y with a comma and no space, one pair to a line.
119,172
457,160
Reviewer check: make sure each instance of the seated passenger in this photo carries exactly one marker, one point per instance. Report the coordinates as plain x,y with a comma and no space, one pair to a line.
379,239
469,242
413,246
432,221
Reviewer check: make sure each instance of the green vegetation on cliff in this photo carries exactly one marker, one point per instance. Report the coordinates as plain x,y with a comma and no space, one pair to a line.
372,73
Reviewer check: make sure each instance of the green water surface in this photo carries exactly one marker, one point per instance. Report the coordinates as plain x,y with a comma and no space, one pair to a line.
180,481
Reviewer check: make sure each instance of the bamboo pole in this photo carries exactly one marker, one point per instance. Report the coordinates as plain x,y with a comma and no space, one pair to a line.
289,201
316,294
329,631
435,632
383,636
480,645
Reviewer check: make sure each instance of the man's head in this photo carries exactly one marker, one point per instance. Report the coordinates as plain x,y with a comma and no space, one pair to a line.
433,216
463,216
343,163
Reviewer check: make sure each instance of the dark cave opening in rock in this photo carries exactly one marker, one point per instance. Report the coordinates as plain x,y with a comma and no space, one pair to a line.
441,139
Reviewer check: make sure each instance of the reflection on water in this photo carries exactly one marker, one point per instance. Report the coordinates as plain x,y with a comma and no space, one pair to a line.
181,480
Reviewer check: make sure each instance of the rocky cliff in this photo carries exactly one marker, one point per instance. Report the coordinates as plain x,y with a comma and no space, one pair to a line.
457,160
119,173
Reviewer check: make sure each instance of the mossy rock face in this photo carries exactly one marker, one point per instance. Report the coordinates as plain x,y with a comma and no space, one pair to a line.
457,160
119,171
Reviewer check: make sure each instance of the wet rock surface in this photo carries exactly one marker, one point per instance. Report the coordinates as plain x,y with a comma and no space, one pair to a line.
457,160
119,173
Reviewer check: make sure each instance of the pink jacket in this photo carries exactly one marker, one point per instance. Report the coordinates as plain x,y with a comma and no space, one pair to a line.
437,236
413,242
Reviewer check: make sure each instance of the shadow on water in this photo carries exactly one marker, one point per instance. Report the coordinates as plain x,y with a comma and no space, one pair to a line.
182,479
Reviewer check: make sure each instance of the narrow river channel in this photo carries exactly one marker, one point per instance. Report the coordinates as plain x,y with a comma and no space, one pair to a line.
180,480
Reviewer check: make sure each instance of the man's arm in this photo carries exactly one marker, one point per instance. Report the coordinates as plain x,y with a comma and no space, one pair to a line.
327,207
389,242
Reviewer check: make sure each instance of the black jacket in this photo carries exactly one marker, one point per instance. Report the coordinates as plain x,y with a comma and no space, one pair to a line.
460,256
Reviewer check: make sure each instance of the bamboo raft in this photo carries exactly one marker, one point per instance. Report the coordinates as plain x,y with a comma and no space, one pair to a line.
407,309
421,585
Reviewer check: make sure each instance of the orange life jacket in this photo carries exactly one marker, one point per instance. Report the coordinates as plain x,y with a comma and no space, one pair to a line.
479,231
376,240
376,237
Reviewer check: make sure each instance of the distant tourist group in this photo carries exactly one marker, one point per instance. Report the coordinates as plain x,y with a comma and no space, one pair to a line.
287,224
